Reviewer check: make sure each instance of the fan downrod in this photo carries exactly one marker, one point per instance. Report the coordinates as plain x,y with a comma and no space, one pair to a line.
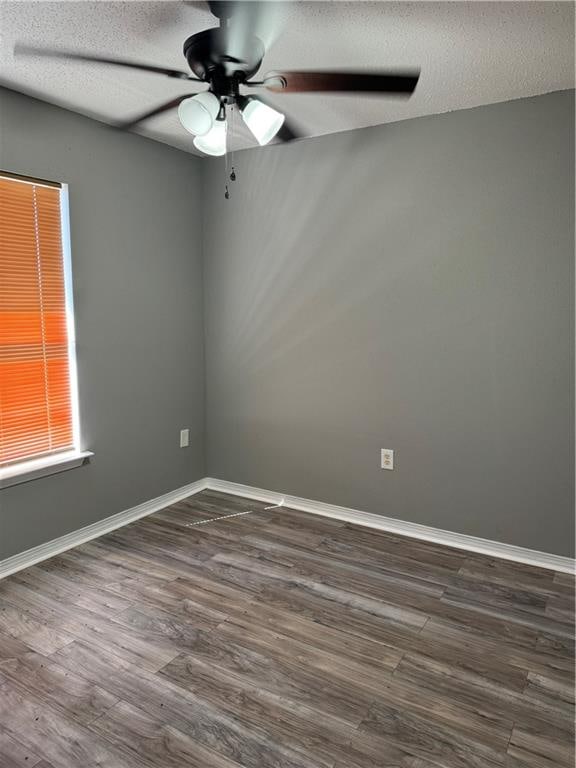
222,9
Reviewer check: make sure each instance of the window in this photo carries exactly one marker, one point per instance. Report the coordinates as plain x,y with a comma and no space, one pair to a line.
38,411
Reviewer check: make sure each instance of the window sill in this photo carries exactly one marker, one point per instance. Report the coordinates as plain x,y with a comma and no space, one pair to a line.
50,465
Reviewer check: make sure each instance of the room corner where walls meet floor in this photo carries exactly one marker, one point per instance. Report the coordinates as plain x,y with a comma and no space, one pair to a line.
279,502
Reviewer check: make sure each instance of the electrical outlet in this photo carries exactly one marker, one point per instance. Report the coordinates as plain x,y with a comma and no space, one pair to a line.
387,458
184,438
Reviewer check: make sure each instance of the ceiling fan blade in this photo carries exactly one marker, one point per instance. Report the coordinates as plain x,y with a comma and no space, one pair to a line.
289,131
126,125
29,50
388,83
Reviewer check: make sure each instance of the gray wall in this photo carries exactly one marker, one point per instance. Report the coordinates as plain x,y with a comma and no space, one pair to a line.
408,286
136,250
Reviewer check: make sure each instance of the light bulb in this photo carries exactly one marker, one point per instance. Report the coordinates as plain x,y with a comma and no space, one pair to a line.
198,113
263,121
213,142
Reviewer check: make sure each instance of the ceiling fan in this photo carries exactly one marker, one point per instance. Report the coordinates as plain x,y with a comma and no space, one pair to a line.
227,69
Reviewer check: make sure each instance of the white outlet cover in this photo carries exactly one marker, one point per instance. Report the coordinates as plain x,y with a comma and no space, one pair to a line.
387,458
184,438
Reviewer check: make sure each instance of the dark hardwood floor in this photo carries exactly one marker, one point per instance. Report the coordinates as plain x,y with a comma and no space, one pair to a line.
282,640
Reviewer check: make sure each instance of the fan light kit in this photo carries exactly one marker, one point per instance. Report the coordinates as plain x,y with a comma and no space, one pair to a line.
213,142
199,115
226,58
263,121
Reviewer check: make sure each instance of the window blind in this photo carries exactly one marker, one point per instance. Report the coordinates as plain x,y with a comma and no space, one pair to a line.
36,414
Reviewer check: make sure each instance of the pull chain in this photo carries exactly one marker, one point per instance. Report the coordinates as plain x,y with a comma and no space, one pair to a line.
232,174
233,121
226,191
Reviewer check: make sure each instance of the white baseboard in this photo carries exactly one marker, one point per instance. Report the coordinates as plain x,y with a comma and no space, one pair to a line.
73,539
404,528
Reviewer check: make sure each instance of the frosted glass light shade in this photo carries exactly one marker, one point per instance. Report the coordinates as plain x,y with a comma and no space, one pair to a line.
198,113
213,142
263,121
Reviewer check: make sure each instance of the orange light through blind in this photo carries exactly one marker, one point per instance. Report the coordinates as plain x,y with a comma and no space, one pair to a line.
35,394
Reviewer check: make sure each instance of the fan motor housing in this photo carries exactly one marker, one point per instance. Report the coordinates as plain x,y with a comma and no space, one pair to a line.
206,55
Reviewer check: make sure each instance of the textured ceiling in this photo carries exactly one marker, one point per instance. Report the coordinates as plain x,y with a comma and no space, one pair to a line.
470,53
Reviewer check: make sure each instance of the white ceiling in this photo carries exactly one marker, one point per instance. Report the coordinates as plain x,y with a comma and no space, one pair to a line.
470,53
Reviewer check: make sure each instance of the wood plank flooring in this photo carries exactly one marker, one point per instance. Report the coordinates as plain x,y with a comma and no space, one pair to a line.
282,640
